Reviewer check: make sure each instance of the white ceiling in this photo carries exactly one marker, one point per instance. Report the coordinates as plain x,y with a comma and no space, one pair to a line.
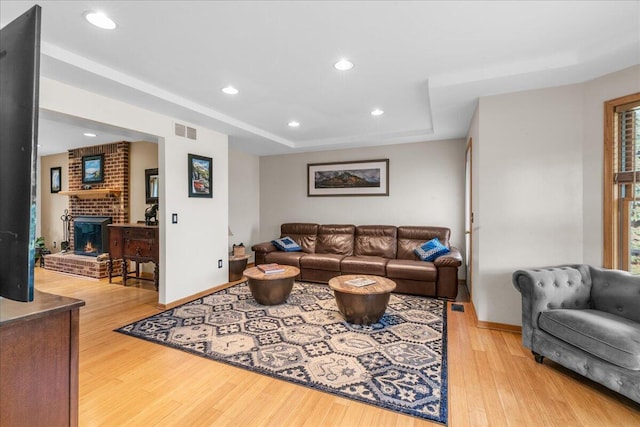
424,63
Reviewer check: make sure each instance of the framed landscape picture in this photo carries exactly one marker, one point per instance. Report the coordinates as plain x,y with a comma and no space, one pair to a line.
356,178
56,179
93,169
200,176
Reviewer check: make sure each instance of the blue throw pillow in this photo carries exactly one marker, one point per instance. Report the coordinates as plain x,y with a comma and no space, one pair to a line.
431,250
286,244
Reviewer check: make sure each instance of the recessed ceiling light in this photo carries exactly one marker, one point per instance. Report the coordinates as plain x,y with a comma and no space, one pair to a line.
343,65
293,124
230,90
100,20
90,135
377,112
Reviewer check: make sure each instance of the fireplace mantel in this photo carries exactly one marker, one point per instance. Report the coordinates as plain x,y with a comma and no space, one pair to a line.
92,194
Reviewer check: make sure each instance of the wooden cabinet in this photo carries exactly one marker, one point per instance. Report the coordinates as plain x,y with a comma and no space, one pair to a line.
134,242
39,361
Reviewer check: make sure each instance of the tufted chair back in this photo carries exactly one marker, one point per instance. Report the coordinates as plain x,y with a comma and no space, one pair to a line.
555,287
616,292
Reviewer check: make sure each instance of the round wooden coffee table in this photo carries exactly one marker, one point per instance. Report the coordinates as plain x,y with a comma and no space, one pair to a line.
271,289
362,305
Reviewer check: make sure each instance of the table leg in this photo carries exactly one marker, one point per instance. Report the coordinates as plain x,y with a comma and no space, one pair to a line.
156,275
124,272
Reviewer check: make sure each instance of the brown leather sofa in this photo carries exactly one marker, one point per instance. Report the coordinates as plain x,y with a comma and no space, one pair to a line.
382,250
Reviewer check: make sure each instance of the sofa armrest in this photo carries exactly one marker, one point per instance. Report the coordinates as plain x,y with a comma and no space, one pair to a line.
447,265
549,288
452,259
264,247
261,250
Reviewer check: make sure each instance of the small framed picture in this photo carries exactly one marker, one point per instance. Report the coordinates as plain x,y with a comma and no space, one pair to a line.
200,176
56,179
93,169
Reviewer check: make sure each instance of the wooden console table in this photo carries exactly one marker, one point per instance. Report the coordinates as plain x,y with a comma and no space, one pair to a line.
134,242
39,361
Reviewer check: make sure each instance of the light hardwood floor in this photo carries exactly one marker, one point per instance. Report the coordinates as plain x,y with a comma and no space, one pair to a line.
125,381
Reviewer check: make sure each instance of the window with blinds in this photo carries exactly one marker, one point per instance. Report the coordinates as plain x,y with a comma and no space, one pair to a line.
627,123
622,184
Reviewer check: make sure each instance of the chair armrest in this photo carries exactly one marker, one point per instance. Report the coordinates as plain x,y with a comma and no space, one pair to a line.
548,288
452,259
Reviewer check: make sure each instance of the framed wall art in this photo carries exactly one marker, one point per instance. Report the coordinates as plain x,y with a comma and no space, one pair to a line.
56,179
355,178
93,169
200,176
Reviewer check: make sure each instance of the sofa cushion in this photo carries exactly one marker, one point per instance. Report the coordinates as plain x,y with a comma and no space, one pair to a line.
335,239
431,250
410,237
285,258
376,240
286,244
412,270
304,233
373,265
330,262
605,335
616,292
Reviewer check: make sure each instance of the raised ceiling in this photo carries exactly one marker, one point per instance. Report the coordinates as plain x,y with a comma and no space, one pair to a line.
424,63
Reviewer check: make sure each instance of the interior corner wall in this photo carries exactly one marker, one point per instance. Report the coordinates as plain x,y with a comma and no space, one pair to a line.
426,187
189,249
543,206
244,200
596,92
142,155
52,205
474,137
199,239
529,192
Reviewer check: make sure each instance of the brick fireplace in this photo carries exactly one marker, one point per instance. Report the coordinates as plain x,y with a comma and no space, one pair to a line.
113,205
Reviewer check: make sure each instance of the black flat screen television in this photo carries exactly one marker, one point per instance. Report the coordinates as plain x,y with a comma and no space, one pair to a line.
19,90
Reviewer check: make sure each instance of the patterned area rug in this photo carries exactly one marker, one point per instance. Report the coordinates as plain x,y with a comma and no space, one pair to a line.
399,363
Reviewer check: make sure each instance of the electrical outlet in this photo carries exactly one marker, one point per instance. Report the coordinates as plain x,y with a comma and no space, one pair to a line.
54,245
174,218
219,263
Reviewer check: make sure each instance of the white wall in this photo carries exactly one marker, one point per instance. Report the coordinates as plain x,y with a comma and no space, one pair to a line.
244,200
530,192
474,136
142,155
596,92
426,187
52,205
538,185
191,248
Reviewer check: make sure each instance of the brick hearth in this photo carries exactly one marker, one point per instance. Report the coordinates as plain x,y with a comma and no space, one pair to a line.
80,265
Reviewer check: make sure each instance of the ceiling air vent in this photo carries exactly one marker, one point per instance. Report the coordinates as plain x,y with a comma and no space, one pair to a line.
185,131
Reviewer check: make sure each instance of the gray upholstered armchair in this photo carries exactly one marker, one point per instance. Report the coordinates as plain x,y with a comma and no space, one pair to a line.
586,319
